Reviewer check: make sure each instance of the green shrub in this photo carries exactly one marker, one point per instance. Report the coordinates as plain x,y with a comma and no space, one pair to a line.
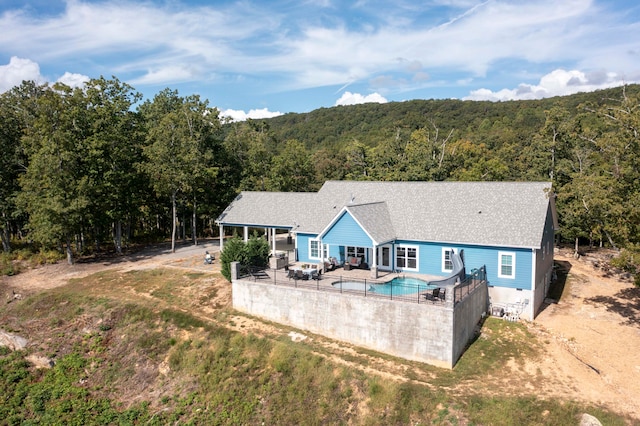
254,253
46,257
233,251
7,267
10,262
257,250
22,254
629,260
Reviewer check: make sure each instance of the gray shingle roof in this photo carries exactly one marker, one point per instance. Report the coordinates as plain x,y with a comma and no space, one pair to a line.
375,219
269,209
488,213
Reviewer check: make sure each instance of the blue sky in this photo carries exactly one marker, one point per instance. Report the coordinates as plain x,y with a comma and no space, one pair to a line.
262,58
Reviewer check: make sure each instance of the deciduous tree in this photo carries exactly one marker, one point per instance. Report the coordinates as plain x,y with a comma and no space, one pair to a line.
55,185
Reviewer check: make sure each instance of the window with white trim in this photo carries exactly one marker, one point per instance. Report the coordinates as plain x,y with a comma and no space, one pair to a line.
447,259
355,252
314,249
407,257
506,264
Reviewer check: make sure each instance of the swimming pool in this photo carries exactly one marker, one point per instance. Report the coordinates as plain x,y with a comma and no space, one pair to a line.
396,287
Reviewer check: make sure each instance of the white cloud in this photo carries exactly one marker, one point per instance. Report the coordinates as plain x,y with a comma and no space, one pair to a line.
472,42
273,48
254,114
557,83
73,79
349,98
17,71
242,38
172,73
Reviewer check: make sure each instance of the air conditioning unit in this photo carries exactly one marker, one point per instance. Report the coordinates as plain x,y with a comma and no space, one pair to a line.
497,311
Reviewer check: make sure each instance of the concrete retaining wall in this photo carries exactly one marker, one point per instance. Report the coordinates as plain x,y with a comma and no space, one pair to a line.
466,315
420,332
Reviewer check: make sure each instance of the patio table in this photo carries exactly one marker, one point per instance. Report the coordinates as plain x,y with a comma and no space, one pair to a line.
307,271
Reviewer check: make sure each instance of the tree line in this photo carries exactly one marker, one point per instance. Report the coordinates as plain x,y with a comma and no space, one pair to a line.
86,166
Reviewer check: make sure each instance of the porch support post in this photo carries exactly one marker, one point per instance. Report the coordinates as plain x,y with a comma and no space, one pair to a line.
273,241
246,234
221,237
374,264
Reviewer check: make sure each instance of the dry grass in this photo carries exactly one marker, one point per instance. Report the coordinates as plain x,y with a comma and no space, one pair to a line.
163,346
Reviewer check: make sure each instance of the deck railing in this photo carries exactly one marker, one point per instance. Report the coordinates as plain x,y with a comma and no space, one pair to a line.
418,293
472,281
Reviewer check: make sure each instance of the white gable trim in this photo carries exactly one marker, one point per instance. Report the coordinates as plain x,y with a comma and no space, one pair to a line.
337,217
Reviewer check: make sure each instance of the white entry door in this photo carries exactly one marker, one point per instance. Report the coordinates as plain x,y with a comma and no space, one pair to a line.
384,257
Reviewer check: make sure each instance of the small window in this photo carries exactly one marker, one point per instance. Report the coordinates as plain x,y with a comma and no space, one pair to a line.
412,257
355,251
314,249
358,252
506,265
447,260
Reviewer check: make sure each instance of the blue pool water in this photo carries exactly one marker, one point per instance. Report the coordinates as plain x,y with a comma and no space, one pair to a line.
397,287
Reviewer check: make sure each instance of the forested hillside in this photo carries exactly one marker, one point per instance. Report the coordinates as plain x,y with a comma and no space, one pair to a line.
82,168
374,122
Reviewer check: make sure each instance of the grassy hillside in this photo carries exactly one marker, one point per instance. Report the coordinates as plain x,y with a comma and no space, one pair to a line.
162,346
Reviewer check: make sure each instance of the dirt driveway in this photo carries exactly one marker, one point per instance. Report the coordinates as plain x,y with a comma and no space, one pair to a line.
590,336
51,276
594,335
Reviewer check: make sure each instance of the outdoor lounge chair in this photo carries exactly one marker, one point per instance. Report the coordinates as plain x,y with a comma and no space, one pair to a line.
291,273
355,263
331,264
433,295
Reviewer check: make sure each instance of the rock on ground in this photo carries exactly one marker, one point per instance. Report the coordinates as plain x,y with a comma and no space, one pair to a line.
12,341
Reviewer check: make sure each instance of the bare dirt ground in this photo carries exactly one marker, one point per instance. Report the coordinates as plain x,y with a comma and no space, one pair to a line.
594,338
590,337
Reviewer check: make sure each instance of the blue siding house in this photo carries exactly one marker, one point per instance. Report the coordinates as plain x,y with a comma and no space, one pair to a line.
418,227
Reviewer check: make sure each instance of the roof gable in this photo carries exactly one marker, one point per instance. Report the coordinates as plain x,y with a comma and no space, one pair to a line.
346,230
373,219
